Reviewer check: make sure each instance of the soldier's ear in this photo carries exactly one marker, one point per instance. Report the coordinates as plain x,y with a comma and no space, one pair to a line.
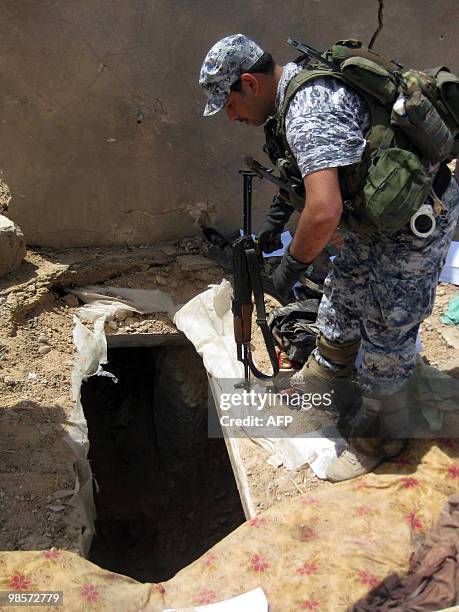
250,82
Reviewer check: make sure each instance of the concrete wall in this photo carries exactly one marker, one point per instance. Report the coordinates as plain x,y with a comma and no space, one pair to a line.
102,138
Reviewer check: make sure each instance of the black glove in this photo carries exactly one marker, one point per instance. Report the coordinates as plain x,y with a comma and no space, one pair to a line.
269,235
288,272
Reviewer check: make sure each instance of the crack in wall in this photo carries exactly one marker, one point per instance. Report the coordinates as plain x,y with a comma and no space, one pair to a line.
155,214
380,23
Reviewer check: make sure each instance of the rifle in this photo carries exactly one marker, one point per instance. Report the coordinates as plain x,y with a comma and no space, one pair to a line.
263,172
308,51
285,190
247,281
288,190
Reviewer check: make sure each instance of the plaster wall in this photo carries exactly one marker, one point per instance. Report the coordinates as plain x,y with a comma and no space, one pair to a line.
101,129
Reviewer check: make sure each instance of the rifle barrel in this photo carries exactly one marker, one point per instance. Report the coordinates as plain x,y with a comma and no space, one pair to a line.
309,51
263,172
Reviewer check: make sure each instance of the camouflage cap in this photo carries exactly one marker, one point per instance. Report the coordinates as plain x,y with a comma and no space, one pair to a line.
226,61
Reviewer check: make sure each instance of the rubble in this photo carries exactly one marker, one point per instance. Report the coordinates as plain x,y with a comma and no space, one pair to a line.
70,299
194,262
5,196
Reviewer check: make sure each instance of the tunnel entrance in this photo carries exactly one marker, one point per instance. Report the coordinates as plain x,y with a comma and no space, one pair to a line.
164,492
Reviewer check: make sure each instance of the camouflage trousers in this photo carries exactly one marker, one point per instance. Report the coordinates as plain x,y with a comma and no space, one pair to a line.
380,289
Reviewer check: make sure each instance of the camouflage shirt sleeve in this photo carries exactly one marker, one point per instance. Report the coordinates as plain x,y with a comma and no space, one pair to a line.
325,124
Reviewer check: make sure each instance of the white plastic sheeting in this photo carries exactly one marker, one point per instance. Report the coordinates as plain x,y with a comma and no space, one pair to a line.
91,353
207,321
104,302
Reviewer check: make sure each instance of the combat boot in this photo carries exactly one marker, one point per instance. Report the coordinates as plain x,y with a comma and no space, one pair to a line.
336,384
352,463
378,433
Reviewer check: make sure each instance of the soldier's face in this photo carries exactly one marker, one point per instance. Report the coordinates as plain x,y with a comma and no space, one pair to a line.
247,106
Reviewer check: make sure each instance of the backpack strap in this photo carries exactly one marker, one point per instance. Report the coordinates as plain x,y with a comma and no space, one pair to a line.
295,84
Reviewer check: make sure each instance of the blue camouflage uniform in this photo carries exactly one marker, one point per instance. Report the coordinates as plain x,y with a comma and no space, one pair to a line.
381,286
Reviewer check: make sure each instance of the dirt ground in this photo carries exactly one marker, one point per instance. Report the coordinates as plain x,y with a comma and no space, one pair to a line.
36,358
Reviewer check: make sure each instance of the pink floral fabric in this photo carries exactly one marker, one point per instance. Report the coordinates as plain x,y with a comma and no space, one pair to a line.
316,552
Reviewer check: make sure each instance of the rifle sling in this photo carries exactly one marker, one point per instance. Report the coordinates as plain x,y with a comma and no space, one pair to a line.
257,287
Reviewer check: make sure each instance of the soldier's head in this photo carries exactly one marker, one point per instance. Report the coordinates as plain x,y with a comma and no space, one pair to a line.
238,76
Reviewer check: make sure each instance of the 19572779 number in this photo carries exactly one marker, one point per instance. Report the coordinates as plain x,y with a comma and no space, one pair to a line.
31,598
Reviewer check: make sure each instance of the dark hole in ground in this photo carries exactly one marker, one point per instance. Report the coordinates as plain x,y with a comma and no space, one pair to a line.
166,492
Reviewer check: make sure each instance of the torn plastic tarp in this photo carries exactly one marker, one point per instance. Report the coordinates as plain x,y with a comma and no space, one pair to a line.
91,353
105,302
207,322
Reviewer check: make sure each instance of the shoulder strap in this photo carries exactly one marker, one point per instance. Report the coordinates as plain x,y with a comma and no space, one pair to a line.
299,80
296,83
258,294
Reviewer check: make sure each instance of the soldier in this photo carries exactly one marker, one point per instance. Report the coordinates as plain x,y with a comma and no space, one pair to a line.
382,285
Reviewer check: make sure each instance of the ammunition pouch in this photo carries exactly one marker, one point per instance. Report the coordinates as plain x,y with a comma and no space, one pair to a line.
441,88
418,118
397,185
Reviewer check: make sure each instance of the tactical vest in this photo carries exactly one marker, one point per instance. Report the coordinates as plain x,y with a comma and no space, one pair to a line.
378,81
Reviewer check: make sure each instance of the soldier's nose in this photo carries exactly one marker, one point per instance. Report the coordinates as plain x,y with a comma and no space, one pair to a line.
232,115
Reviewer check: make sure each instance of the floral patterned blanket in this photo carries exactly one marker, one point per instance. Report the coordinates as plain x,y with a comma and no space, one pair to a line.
318,552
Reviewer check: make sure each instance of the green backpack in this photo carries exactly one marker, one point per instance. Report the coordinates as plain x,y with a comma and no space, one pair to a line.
385,80
414,125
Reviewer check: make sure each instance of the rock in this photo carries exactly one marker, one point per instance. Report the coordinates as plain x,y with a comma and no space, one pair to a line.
12,245
194,262
71,300
161,280
12,300
121,315
451,336
61,493
169,249
56,507
42,339
44,349
191,244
